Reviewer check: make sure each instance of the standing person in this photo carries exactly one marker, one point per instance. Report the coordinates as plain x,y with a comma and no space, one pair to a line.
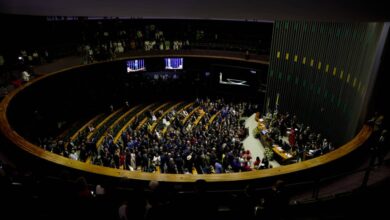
265,163
123,211
247,54
218,167
276,203
380,149
291,137
25,76
83,199
257,163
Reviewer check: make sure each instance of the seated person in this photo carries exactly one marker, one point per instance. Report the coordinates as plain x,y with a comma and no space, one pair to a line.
315,152
279,142
286,146
257,163
264,164
165,122
25,76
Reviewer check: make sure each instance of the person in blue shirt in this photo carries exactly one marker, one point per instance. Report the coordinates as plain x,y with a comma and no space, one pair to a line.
218,167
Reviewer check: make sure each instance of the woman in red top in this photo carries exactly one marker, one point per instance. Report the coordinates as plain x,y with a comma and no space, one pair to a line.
291,137
257,163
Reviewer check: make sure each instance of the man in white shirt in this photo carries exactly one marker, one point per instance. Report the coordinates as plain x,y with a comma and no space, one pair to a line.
122,211
25,76
74,155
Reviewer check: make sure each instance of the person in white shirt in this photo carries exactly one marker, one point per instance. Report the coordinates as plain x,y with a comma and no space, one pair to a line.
100,190
165,122
185,113
73,155
90,128
25,76
156,160
122,211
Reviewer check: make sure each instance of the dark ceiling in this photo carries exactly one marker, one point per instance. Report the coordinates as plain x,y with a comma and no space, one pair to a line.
320,10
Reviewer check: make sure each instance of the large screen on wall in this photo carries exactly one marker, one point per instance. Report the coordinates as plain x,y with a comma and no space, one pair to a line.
173,63
135,65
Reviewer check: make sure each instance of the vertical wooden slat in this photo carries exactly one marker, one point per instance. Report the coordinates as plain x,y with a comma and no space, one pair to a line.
344,46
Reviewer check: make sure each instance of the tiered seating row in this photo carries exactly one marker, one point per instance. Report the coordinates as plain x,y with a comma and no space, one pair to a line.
201,115
210,122
189,115
100,128
83,132
180,108
154,125
145,119
129,122
115,124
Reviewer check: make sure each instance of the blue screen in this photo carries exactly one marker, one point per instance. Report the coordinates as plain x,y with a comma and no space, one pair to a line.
135,65
173,63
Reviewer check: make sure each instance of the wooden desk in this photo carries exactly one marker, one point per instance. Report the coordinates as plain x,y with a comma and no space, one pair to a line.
261,126
282,156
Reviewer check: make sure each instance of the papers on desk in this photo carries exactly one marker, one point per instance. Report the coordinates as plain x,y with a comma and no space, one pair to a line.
313,152
281,151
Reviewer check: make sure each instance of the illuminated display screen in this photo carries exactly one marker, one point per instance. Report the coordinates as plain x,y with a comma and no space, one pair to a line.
135,65
173,63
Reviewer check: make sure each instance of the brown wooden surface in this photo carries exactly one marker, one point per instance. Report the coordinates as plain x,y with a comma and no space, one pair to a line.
118,135
281,153
189,115
153,126
102,123
164,131
201,115
143,122
211,120
113,125
22,143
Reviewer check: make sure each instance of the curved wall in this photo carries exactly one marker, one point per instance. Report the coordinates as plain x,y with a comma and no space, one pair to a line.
307,169
324,73
79,93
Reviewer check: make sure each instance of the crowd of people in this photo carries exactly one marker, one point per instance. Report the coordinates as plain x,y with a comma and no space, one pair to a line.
14,77
303,143
180,143
102,43
294,137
